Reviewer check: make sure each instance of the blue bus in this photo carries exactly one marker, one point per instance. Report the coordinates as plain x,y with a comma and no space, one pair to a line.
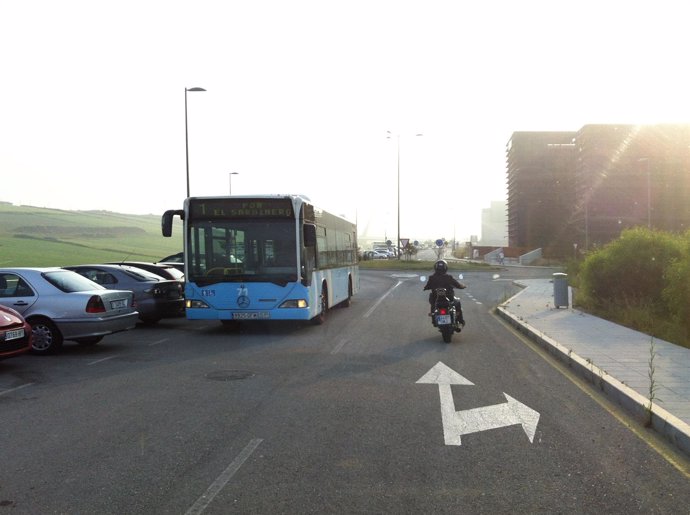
273,257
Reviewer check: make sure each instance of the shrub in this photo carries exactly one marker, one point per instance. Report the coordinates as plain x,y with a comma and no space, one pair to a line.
677,291
631,270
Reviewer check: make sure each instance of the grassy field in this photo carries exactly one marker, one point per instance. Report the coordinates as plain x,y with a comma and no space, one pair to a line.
33,236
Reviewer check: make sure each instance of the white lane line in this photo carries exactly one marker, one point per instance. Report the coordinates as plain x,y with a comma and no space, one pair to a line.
4,392
100,360
158,342
202,502
372,308
340,345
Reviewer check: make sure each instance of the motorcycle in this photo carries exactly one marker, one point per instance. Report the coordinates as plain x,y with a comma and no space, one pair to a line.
444,315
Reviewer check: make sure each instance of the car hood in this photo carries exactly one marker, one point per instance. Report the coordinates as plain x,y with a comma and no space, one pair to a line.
9,319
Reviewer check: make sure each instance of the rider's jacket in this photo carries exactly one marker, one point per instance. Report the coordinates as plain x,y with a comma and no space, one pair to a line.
442,281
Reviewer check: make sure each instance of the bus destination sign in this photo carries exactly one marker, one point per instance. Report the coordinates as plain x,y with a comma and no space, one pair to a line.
241,208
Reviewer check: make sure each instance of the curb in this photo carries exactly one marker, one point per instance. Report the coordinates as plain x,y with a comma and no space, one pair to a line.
671,427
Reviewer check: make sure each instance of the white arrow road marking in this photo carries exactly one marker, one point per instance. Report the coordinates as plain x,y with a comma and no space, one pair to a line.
458,423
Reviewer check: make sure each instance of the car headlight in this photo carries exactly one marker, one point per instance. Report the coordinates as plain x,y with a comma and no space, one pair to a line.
295,303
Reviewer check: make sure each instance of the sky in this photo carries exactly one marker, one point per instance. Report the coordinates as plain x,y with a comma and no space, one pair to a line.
318,98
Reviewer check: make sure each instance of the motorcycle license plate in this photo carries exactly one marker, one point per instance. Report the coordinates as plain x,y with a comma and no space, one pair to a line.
443,319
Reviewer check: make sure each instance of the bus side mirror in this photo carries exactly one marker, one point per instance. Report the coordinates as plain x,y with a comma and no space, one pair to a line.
167,221
309,235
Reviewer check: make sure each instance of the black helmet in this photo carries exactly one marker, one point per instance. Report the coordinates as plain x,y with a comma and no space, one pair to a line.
441,266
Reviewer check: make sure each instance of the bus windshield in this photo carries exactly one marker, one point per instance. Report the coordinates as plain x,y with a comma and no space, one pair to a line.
232,250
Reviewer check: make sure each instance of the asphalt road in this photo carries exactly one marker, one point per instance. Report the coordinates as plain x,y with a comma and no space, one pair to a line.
190,417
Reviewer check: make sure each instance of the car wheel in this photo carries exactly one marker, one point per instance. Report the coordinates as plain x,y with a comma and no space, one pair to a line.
46,337
150,320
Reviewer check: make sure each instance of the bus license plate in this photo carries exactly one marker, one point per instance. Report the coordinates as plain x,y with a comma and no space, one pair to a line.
13,335
257,315
443,319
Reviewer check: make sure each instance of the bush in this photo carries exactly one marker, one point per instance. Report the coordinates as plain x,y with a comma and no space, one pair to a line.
631,270
677,291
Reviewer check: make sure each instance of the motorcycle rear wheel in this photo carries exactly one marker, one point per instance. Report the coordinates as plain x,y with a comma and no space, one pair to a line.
447,333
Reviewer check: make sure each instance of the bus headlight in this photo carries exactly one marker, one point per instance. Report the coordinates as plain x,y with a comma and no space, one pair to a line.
194,303
295,303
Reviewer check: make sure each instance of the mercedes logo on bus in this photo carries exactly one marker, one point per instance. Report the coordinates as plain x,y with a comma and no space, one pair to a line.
243,301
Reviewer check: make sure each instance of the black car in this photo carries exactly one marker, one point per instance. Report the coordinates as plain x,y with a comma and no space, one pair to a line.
174,260
155,298
166,271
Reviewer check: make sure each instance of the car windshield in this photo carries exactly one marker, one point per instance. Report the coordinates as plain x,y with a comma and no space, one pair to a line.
173,272
70,282
140,274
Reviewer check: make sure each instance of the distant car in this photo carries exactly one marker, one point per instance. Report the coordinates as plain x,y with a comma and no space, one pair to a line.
166,271
380,254
15,333
175,260
62,305
155,297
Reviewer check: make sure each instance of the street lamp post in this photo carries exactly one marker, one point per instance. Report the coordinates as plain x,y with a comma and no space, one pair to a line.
230,181
398,151
186,137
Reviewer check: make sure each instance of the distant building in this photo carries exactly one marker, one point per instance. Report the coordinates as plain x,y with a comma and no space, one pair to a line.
495,224
541,190
581,189
631,175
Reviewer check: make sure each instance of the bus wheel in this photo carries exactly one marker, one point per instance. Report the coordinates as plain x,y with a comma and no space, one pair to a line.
348,301
323,299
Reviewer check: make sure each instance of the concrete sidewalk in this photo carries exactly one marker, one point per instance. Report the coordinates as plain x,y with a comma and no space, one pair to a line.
613,357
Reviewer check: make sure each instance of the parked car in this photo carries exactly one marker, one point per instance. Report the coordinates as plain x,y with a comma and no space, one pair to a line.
381,254
62,305
166,271
15,333
174,260
155,297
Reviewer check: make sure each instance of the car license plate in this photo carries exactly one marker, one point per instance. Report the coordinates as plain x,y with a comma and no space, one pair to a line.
443,319
13,335
255,315
117,304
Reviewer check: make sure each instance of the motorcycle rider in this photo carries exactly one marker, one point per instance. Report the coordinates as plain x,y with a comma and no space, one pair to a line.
441,279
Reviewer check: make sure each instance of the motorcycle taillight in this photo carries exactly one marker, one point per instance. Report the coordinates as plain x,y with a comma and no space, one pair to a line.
443,311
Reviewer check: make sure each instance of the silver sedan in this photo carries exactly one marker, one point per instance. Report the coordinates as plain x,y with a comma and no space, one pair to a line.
62,305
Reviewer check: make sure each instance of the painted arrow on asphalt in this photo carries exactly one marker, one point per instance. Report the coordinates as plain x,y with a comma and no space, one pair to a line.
458,423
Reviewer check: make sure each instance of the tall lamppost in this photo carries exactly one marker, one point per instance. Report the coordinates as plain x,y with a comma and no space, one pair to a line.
398,250
186,138
230,180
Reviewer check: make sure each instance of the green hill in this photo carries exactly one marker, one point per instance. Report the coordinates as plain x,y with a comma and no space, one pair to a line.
34,236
